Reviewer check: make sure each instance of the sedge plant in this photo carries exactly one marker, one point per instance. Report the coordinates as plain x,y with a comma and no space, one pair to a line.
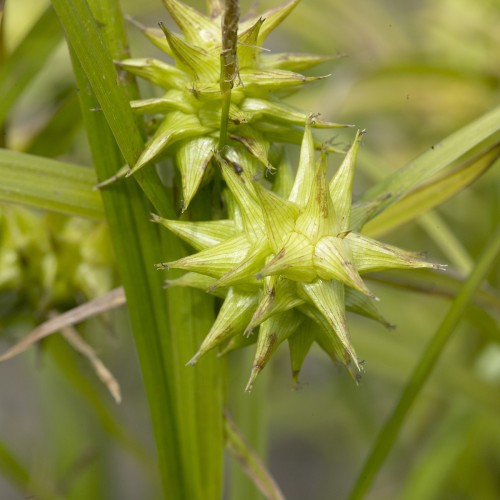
222,243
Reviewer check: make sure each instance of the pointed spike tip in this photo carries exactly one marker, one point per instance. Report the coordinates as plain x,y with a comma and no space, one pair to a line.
251,381
194,359
164,29
296,383
248,331
439,267
162,265
121,174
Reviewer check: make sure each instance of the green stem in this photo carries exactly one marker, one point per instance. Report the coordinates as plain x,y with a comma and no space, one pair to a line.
12,470
390,431
185,403
136,247
251,464
248,412
16,73
228,63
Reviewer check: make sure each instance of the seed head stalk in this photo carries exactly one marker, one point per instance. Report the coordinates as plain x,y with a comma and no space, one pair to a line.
228,62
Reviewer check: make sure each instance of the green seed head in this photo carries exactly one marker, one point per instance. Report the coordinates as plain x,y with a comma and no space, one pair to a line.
288,266
194,88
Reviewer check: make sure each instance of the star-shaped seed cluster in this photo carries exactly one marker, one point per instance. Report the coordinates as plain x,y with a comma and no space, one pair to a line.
189,110
288,262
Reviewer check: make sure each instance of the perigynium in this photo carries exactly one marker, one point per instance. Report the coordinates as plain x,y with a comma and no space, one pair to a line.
187,123
288,262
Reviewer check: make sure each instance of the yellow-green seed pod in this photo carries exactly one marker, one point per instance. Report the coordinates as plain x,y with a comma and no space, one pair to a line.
192,107
288,262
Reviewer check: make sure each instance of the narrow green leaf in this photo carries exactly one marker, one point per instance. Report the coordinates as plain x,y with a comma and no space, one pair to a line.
136,248
17,474
28,59
440,155
441,456
110,88
56,136
166,331
250,462
83,34
49,184
449,243
432,193
439,284
390,431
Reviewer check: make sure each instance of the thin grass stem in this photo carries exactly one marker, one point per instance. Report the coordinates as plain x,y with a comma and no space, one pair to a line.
390,431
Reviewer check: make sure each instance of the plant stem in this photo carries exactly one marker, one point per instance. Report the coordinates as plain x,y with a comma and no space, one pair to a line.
390,431
185,404
228,63
248,412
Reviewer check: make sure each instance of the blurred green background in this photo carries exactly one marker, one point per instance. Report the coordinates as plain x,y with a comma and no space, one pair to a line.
414,72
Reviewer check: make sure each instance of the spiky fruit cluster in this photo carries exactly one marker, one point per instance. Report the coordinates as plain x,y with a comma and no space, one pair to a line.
287,263
190,107
47,260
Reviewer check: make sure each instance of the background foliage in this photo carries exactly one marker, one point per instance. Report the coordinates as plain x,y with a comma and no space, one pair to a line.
415,72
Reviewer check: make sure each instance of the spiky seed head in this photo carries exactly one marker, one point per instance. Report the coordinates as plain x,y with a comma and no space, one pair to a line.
286,263
191,106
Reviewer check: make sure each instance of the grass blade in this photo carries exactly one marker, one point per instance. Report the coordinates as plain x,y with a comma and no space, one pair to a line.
110,90
433,161
250,462
18,475
250,416
190,454
389,433
56,136
49,184
432,194
447,241
439,284
137,248
16,74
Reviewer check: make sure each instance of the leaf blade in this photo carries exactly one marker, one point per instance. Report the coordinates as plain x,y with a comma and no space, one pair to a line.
49,184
